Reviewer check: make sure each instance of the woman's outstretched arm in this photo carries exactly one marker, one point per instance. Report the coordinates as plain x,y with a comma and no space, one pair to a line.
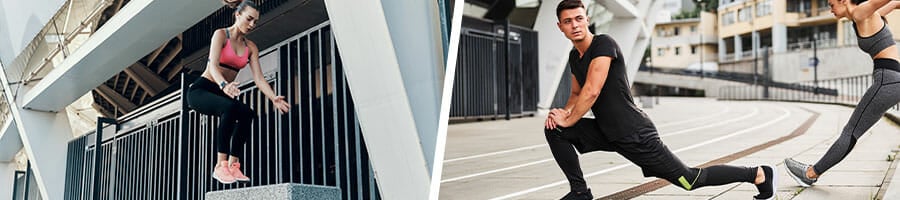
868,9
888,8
258,78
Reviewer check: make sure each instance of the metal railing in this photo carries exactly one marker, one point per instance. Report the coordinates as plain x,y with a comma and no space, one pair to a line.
846,90
482,80
166,151
748,78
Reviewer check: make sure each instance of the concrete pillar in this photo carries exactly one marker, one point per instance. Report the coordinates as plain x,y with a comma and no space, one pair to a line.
373,68
779,38
44,136
553,52
722,49
416,34
738,48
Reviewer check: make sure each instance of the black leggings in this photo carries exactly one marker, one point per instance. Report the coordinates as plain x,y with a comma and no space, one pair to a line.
884,93
235,117
644,150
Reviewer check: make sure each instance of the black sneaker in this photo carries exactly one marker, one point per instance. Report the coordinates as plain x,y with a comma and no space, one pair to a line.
578,195
767,188
797,170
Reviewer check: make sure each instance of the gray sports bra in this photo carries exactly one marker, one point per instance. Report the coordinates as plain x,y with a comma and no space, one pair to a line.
875,43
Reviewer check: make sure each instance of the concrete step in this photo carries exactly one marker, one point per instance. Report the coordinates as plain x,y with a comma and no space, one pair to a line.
279,191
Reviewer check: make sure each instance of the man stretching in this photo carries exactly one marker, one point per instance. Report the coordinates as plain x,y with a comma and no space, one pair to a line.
600,84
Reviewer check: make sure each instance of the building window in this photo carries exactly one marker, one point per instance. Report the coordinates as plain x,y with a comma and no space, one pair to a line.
764,8
677,51
728,18
693,28
823,6
660,52
744,14
661,32
693,50
798,6
676,30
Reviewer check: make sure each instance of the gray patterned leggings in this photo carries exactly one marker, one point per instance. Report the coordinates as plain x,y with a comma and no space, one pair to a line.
884,93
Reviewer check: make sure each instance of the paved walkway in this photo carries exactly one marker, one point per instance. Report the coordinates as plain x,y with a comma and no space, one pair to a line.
510,159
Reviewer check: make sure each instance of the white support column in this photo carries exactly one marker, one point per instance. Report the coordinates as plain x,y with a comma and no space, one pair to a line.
779,29
385,113
738,47
722,50
779,38
553,52
416,34
44,136
10,142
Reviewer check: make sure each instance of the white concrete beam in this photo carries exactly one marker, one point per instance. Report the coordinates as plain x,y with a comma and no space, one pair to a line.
620,8
10,142
123,40
44,136
553,52
416,33
376,80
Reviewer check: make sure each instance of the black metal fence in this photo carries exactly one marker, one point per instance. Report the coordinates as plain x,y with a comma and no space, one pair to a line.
165,151
846,90
482,79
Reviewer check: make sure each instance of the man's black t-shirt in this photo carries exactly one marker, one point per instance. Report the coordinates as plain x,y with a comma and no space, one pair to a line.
614,110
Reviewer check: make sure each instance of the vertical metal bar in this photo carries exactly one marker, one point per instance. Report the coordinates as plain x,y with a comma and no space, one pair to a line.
323,87
15,184
27,180
311,95
337,160
300,67
357,146
98,153
506,64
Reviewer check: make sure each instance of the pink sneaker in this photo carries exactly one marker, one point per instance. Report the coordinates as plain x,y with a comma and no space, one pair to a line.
222,174
236,172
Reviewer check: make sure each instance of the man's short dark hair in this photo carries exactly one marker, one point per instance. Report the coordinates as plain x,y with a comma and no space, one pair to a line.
568,4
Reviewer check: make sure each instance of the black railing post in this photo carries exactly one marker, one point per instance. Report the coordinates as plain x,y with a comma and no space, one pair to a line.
506,63
27,179
98,152
15,185
182,140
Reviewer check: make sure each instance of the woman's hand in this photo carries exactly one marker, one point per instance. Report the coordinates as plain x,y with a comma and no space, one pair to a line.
231,89
281,105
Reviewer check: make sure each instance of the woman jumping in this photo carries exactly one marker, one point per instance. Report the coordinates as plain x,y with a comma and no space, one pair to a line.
875,39
214,93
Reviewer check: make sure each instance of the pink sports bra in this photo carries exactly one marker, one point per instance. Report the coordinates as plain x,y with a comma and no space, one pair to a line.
229,58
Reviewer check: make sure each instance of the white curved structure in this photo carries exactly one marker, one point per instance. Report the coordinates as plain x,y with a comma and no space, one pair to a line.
630,26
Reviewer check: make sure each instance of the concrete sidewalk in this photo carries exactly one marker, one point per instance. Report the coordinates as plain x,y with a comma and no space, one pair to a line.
510,159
